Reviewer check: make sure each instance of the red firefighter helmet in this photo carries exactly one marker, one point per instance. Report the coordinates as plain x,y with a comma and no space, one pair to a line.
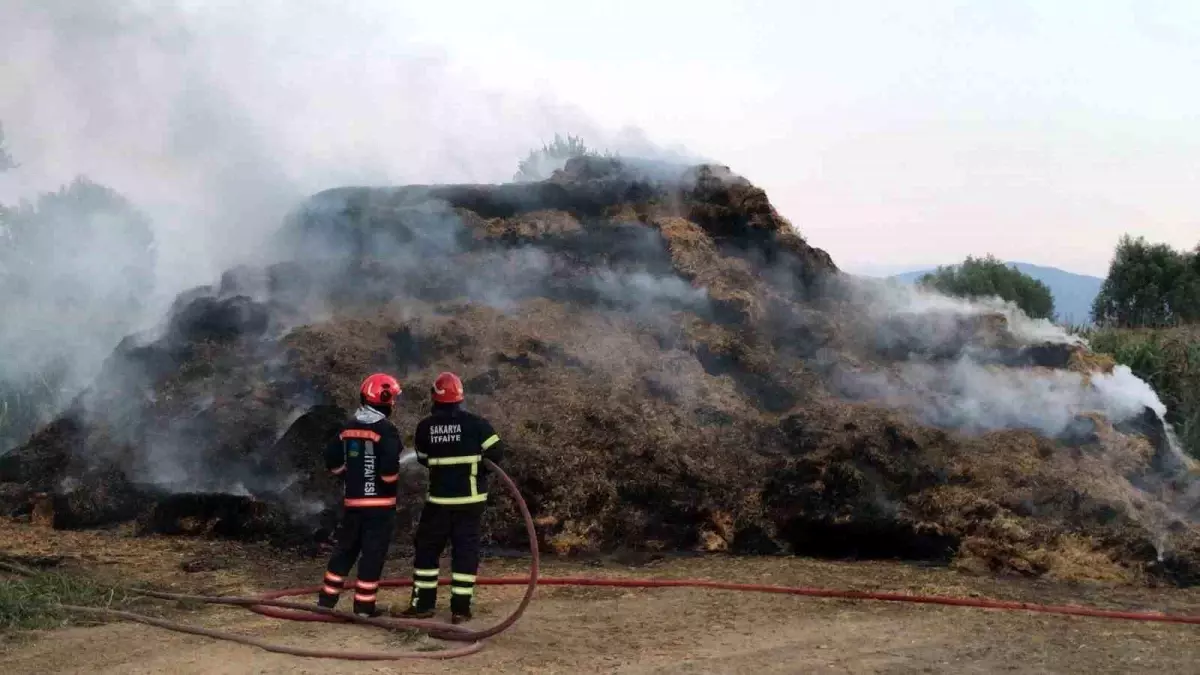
380,389
447,388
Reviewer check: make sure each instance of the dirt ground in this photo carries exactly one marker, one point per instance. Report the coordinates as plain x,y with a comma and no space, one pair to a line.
597,630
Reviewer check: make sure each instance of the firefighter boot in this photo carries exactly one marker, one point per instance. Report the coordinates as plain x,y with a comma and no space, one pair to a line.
366,608
331,591
424,594
462,592
460,604
414,613
327,600
364,598
422,605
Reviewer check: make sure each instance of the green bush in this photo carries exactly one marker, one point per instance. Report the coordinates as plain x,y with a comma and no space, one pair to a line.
1167,358
6,160
989,277
540,164
28,402
75,267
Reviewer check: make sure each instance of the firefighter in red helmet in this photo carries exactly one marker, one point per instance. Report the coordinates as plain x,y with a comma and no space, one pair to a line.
366,454
452,443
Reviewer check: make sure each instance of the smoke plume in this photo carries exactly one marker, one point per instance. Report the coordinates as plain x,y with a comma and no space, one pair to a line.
212,121
215,122
952,372
978,366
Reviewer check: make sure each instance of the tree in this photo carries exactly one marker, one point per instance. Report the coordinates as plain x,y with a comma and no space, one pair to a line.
540,164
989,277
6,160
84,249
75,267
1149,285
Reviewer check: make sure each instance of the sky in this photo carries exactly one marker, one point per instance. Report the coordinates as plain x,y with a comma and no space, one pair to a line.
894,135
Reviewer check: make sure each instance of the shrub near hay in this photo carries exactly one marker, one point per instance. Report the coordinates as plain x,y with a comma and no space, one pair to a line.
1169,359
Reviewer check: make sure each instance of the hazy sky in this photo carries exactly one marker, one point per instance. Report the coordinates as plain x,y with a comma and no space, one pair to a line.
893,134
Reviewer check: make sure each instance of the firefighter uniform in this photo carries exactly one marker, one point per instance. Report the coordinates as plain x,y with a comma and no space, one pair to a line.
452,443
367,455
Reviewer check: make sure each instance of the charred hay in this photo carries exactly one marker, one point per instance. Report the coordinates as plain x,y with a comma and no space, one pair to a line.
656,348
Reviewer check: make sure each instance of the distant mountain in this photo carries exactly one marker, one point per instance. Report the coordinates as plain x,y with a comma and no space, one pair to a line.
1073,293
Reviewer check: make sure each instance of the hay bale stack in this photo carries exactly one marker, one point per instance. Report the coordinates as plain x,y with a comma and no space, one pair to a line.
531,226
658,348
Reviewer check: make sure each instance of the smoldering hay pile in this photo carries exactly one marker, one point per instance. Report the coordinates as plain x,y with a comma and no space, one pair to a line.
672,366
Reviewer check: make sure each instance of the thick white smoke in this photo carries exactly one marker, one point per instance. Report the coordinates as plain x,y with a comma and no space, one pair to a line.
968,387
954,364
968,395
215,119
887,300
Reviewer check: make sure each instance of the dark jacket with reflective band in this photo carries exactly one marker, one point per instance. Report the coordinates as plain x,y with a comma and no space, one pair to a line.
367,454
453,443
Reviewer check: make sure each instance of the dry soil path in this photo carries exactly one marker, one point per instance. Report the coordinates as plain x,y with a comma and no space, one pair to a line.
596,630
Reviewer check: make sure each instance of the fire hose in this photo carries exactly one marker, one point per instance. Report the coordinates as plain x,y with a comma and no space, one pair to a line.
269,604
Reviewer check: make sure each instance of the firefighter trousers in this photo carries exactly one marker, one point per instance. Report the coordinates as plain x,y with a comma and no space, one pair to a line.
363,535
460,526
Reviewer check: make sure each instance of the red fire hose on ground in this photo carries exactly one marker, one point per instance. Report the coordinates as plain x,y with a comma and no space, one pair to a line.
271,605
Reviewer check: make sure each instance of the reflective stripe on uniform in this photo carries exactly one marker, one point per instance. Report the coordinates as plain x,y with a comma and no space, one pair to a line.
432,572
492,440
475,497
425,584
360,597
338,470
455,501
466,459
364,434
366,585
458,590
333,578
464,578
370,502
330,590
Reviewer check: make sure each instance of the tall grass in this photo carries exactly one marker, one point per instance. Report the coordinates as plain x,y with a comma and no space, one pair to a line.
32,602
1167,358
